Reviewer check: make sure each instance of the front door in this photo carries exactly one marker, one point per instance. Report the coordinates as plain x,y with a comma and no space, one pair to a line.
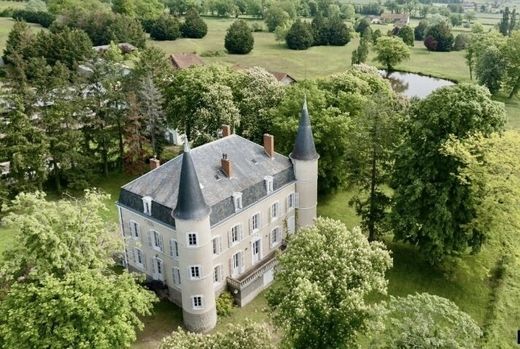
256,248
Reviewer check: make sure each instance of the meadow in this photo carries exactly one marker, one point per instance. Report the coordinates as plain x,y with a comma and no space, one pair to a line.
471,283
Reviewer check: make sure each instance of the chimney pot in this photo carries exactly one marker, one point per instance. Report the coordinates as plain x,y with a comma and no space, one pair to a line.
226,165
154,163
269,144
226,130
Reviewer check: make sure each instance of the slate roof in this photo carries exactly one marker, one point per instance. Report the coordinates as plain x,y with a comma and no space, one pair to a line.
304,148
250,165
185,60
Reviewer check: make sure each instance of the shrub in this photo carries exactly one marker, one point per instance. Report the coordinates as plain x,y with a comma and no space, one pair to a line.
320,30
406,33
430,43
299,37
239,38
165,27
224,304
375,35
339,33
461,41
212,53
441,34
257,27
420,30
193,26
147,24
44,19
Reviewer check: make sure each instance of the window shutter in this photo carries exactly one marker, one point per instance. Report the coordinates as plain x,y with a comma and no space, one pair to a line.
231,266
172,248
250,225
150,238
259,220
241,262
219,244
230,241
132,230
296,200
145,262
240,232
134,257
154,269
270,213
220,276
161,242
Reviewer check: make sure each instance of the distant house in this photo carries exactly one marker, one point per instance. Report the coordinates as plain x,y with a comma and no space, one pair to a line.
398,19
185,60
284,78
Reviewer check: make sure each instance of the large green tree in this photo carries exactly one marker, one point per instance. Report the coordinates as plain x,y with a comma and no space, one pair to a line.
299,36
490,69
425,321
391,51
431,208
239,38
511,54
59,290
324,277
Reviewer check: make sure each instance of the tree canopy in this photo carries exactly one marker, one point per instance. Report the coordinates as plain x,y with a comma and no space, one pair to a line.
391,51
319,299
239,38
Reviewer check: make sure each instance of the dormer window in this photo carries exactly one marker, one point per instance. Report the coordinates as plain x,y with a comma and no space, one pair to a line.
237,201
147,205
269,184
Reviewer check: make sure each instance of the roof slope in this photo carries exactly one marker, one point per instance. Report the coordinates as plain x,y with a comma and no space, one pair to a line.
250,166
185,60
304,148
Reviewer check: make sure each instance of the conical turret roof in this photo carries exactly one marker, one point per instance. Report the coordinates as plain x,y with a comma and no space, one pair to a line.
304,148
190,201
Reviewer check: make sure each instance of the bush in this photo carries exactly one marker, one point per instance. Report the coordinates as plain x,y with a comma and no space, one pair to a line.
224,304
147,24
461,41
44,19
257,27
299,37
165,27
420,30
194,27
406,33
442,35
430,43
239,38
212,53
320,30
339,33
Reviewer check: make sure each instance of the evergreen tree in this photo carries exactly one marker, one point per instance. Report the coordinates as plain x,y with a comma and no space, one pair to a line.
439,38
239,38
339,33
134,139
299,36
360,55
512,22
194,26
406,33
503,26
420,30
151,101
490,69
19,40
165,27
320,30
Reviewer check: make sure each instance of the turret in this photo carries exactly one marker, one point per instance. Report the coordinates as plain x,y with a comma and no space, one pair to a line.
195,252
305,162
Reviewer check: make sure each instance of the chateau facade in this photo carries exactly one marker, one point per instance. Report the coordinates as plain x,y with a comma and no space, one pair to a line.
214,217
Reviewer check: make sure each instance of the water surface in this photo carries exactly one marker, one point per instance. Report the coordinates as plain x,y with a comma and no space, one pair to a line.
415,85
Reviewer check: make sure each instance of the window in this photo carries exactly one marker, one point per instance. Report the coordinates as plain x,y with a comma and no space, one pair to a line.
174,248
216,245
237,263
157,240
275,236
196,301
158,266
192,239
237,201
217,274
269,184
134,228
236,234
139,258
291,201
176,276
275,211
147,205
255,222
194,272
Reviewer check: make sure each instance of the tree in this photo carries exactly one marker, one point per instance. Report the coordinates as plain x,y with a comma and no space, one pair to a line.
360,55
339,33
426,321
441,35
248,335
19,40
512,22
320,30
461,42
503,26
324,278
165,27
420,30
391,51
511,54
26,148
362,25
239,39
274,17
431,209
490,69
59,7
373,138
376,34
456,19
59,290
194,26
151,101
299,37
281,31
134,139
406,33
36,6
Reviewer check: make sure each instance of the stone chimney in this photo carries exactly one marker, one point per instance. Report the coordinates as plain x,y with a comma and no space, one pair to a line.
226,130
269,144
154,163
226,165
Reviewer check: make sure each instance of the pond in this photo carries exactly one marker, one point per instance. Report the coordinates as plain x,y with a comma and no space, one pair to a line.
415,85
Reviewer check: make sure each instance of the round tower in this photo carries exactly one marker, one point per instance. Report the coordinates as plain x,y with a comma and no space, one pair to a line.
305,163
195,250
